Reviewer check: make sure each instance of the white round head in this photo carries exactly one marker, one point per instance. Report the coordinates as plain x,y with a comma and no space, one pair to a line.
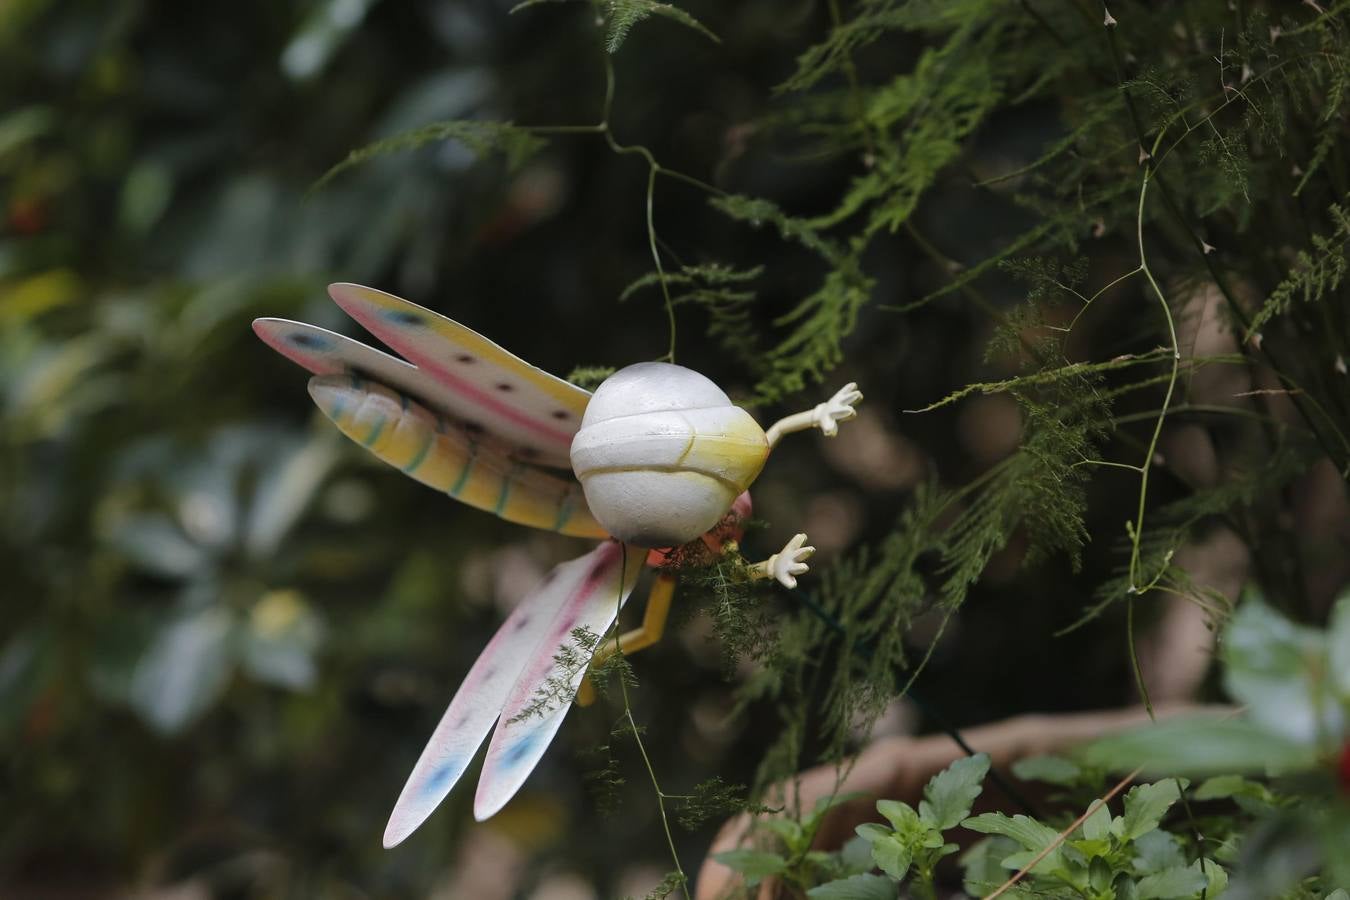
662,453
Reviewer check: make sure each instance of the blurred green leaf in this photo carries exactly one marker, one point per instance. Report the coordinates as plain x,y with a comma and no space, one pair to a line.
185,668
857,887
20,676
328,25
286,489
153,542
22,125
1050,769
278,642
1171,884
1222,787
753,865
1338,646
145,195
856,855
1199,746
1274,667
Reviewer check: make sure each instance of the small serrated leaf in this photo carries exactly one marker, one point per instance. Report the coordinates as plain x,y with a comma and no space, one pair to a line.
1145,805
1026,831
948,796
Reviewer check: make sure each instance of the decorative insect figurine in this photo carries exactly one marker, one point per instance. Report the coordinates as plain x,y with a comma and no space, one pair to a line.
661,458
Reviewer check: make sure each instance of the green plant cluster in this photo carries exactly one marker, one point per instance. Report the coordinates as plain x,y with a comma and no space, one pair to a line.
1251,837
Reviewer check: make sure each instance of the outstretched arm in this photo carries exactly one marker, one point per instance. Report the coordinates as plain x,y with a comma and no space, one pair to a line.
786,564
826,416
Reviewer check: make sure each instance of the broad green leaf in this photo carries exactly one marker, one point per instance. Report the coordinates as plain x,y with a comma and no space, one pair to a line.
1050,769
892,857
949,794
754,865
857,887
1145,805
1200,745
184,670
1171,884
1026,831
1272,667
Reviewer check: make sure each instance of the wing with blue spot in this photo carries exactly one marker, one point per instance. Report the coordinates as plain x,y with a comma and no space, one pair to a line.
586,591
597,586
409,420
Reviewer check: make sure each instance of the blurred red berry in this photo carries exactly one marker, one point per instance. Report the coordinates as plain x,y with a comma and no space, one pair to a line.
27,215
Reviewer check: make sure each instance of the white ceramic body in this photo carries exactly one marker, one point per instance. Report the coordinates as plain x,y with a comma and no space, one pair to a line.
662,454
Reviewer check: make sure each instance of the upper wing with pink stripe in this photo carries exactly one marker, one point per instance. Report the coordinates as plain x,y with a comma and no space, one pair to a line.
482,384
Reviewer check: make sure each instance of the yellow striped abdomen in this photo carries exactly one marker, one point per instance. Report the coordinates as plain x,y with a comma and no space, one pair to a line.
451,457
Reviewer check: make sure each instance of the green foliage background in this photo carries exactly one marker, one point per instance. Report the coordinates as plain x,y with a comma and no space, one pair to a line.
225,634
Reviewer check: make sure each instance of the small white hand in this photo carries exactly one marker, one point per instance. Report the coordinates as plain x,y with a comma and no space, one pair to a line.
790,562
838,408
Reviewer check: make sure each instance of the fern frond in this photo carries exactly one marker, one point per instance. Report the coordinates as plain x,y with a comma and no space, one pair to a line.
622,15
516,144
1315,274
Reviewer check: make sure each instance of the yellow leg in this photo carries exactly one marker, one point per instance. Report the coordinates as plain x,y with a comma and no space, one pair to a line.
648,633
